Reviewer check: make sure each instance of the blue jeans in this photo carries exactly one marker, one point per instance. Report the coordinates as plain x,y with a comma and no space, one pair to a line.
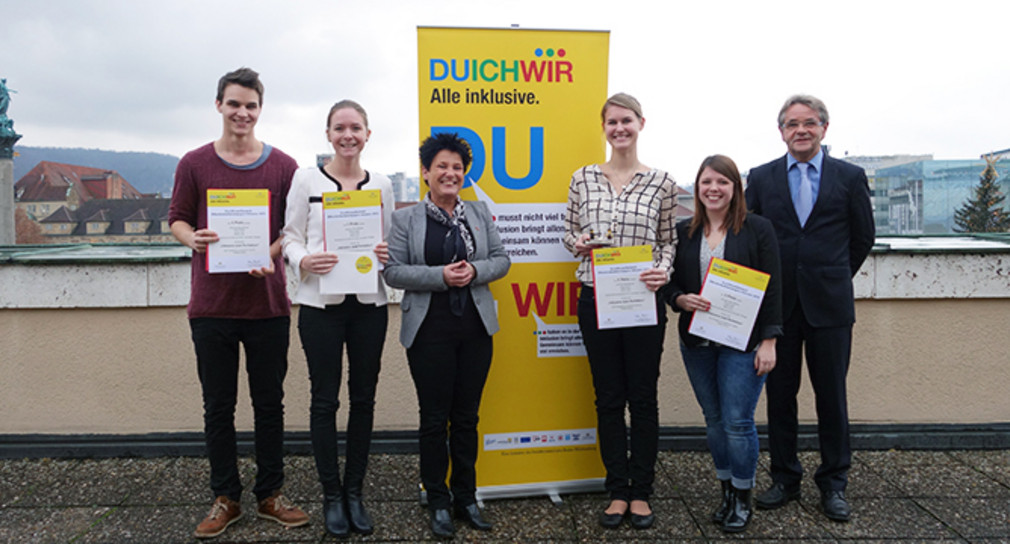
727,388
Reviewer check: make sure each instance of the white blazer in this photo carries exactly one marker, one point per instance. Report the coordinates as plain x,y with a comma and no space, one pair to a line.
303,230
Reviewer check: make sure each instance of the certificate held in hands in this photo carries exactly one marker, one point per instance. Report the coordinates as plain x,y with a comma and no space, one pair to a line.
622,299
735,292
241,219
352,226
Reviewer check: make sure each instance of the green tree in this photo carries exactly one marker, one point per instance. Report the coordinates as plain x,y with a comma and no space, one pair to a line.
984,211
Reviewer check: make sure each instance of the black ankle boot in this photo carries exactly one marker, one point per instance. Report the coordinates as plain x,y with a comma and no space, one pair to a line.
739,513
357,517
335,516
727,493
441,523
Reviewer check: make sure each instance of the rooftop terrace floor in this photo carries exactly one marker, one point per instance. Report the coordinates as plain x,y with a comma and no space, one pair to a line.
896,496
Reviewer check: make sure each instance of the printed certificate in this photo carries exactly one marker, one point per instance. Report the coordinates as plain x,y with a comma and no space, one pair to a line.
623,300
352,226
735,292
241,219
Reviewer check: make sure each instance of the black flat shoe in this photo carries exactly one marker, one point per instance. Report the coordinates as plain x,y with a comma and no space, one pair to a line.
611,521
357,516
335,516
441,523
776,496
471,514
642,522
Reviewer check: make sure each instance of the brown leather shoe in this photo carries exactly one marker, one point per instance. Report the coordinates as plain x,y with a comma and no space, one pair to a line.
223,513
278,508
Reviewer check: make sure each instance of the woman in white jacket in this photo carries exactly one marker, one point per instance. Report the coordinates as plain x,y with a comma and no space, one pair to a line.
328,322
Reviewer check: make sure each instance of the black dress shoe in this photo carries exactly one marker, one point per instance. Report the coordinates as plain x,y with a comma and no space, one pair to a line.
357,517
471,514
335,516
611,521
639,521
727,493
739,511
835,506
776,496
441,523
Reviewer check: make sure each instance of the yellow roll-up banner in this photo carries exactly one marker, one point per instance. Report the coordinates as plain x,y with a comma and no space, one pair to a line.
528,103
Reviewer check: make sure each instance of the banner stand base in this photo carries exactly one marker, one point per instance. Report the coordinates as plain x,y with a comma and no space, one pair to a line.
553,490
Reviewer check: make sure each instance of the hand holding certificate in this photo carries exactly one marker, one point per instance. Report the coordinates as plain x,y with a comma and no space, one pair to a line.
241,219
622,298
735,293
352,227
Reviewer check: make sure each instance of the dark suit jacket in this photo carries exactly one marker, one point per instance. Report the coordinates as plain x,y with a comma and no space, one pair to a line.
754,247
820,258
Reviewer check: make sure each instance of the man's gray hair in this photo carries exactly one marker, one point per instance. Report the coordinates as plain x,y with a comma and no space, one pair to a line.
811,102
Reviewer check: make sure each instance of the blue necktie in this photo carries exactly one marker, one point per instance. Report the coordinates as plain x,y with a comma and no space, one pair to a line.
805,195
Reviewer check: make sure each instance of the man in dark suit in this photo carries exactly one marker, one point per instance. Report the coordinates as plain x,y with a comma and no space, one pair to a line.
821,210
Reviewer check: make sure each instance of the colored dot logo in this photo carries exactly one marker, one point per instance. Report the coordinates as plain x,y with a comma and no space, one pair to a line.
549,52
363,264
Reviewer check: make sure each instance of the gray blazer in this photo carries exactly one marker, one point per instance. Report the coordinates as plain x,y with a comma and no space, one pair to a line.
407,270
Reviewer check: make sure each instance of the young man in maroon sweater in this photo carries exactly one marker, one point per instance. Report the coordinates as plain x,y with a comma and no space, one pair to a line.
229,309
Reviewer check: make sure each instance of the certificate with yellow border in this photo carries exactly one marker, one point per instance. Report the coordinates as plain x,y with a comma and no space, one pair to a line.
352,226
622,299
241,219
735,292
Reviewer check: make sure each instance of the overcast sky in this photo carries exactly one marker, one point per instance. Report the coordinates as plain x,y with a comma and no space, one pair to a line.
897,77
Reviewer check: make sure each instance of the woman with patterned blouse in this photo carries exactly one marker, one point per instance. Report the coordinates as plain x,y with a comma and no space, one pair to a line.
623,203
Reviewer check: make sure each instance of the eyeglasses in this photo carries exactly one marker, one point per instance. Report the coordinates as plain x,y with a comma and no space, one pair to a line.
809,124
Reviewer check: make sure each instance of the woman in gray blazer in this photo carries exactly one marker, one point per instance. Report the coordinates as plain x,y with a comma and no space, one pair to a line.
443,252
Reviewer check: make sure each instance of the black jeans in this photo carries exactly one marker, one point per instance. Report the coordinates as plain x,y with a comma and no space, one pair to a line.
217,357
625,367
324,332
449,362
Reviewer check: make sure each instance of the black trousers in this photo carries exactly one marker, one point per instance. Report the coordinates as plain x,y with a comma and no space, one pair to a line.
449,362
217,356
625,367
324,333
827,350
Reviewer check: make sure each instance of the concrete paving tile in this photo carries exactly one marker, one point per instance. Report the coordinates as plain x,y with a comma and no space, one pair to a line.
943,481
995,464
146,524
99,482
184,481
973,517
21,479
663,486
392,477
47,524
673,521
396,521
887,518
301,480
905,458
952,540
531,519
690,473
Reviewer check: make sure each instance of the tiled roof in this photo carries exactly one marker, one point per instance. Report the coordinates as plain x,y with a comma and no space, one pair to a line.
50,181
115,211
62,215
